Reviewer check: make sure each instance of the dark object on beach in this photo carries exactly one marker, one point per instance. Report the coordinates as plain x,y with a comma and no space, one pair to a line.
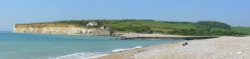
139,51
239,36
184,44
163,38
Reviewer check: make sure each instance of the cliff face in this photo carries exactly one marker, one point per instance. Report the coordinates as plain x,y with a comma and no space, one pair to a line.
54,29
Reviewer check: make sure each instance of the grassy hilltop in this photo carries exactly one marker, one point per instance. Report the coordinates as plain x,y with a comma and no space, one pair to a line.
201,28
242,29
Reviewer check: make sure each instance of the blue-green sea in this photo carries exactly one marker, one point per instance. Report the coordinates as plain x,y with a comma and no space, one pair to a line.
45,46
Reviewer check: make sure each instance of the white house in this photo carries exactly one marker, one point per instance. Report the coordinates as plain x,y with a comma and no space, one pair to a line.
92,24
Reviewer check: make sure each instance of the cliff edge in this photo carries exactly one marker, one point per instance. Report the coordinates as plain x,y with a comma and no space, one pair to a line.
57,29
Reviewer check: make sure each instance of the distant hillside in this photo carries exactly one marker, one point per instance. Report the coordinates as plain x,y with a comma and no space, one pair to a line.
201,28
136,25
242,29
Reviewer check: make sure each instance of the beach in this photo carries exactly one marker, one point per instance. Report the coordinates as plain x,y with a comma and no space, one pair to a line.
226,47
155,36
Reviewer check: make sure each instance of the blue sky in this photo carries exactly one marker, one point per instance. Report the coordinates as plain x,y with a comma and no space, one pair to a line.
234,12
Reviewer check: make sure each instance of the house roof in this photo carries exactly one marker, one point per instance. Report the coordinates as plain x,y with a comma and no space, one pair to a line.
92,22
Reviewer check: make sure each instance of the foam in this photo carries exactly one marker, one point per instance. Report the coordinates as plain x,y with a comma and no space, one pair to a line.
125,49
83,55
87,55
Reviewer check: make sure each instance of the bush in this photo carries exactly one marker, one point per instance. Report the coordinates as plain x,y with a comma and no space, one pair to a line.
137,29
199,32
213,24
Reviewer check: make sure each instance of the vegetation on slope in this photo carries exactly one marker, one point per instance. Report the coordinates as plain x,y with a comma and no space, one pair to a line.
206,28
201,28
242,29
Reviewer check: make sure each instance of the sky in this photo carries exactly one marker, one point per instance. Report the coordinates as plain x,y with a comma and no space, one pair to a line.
233,12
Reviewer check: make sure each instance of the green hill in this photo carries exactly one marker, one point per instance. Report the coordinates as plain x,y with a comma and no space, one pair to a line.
242,29
201,28
136,25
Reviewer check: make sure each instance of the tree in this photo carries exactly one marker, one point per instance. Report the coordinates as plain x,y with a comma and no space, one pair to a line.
213,24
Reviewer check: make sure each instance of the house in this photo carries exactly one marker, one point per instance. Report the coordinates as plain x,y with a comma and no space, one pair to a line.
92,24
103,28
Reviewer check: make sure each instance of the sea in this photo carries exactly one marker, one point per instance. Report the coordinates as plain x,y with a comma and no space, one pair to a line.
47,46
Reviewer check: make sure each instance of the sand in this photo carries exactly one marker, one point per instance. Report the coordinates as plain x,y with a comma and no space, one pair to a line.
217,48
147,35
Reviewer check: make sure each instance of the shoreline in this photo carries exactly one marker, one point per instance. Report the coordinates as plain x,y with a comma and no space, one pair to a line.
126,54
226,47
134,36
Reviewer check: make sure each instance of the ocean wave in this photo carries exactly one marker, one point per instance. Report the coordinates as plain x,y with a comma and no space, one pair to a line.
125,49
84,55
88,55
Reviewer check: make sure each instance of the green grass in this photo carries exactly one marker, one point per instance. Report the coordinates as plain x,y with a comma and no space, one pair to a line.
161,30
242,29
121,25
153,24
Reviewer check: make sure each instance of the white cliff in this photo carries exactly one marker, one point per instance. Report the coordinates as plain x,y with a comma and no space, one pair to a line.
52,29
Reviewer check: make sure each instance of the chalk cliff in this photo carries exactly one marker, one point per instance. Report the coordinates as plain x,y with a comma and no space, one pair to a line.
56,29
